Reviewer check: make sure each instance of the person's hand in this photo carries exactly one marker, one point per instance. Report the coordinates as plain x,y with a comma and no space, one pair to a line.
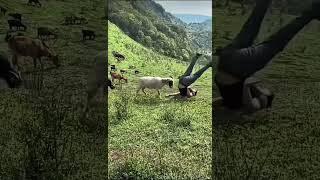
252,80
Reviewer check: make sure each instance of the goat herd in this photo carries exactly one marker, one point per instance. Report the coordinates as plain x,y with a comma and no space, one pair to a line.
144,82
16,23
22,45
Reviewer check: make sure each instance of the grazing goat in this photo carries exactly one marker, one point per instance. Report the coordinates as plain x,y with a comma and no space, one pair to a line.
35,48
46,33
88,33
36,2
79,20
115,75
154,83
9,78
75,20
118,56
3,10
122,71
113,68
68,20
16,23
15,16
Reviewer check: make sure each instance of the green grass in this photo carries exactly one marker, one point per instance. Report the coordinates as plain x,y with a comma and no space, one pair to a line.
281,143
153,138
41,136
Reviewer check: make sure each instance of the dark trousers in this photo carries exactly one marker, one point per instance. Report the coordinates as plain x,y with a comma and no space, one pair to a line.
242,59
187,79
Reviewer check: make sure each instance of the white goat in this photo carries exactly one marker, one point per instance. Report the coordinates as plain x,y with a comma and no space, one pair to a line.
154,83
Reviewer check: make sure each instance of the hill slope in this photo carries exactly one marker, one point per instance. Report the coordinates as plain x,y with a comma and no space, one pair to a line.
153,138
190,18
147,23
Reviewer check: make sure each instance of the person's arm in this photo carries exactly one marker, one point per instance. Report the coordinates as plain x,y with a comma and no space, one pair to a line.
173,94
251,104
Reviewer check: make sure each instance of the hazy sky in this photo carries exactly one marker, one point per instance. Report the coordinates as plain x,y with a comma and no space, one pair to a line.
187,7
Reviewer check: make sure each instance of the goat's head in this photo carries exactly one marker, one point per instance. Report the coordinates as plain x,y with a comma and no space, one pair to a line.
168,81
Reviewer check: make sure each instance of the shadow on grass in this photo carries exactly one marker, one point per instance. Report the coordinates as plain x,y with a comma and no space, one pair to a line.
226,118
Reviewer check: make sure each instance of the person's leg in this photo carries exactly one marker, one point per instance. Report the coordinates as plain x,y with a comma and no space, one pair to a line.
192,63
245,62
251,28
188,80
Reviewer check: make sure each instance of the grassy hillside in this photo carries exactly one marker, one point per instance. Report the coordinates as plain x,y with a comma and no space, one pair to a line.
41,137
147,23
282,143
153,138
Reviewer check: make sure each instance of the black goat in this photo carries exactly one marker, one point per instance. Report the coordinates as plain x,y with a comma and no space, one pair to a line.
122,71
79,20
88,33
46,33
36,2
16,23
16,16
118,56
113,67
68,20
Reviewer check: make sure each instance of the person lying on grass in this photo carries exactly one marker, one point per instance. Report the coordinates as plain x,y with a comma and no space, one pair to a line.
187,79
241,59
254,97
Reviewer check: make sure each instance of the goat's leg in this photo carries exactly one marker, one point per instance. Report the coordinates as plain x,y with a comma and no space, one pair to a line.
144,91
138,90
35,63
159,92
41,65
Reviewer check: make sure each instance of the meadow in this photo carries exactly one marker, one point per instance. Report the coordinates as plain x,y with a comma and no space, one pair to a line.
151,137
41,136
281,143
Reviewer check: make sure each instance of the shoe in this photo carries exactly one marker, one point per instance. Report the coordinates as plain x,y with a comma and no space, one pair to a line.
199,54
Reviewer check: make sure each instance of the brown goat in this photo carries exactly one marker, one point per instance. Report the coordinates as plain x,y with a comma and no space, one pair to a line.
35,48
115,75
